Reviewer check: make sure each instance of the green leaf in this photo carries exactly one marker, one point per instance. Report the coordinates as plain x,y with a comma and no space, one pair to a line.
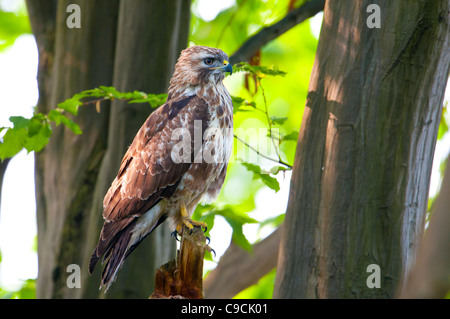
71,125
55,116
252,168
13,142
242,105
273,221
238,236
32,134
110,91
278,120
237,100
155,100
38,139
34,125
264,176
293,136
230,214
235,219
71,105
236,222
12,25
258,70
19,121
270,181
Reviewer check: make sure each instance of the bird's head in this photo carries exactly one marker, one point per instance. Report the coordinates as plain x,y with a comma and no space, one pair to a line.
200,66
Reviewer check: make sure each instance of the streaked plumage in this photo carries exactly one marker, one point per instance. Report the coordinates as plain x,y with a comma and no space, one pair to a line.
152,184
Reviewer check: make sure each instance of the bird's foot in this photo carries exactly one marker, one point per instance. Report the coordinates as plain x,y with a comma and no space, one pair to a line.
175,235
188,222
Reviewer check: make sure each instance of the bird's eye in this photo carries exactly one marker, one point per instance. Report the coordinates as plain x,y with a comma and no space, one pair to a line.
209,61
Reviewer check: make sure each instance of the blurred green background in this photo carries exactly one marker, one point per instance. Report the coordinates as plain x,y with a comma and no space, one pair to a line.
224,24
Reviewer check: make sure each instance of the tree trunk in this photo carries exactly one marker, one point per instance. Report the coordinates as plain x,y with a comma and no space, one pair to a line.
360,181
132,45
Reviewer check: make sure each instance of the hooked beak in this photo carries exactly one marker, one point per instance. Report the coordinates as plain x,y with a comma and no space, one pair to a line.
227,67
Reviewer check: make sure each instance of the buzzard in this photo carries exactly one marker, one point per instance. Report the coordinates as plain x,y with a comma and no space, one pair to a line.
178,158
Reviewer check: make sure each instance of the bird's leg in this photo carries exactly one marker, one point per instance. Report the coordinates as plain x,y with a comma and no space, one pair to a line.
187,221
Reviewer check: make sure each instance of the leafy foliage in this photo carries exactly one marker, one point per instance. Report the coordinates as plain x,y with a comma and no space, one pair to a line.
293,136
236,221
263,175
27,291
33,134
12,25
260,71
262,290
242,105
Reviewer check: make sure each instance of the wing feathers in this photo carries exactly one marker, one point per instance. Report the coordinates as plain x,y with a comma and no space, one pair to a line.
147,174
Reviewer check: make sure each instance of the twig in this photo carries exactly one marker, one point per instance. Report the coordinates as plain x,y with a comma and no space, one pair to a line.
269,121
265,35
279,161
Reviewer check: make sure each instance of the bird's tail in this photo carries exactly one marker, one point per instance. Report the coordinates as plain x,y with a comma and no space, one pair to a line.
115,244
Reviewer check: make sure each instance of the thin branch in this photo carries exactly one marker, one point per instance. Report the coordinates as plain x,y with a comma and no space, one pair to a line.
254,43
279,161
269,121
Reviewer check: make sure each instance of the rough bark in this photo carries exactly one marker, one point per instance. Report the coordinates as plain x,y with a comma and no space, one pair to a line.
67,169
360,180
430,276
132,45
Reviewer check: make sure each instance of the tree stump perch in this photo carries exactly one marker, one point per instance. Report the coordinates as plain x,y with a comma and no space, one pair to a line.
183,277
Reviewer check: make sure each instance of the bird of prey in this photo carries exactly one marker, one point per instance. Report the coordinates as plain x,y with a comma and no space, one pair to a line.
178,158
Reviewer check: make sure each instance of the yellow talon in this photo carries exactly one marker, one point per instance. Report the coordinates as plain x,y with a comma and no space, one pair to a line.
179,228
187,221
